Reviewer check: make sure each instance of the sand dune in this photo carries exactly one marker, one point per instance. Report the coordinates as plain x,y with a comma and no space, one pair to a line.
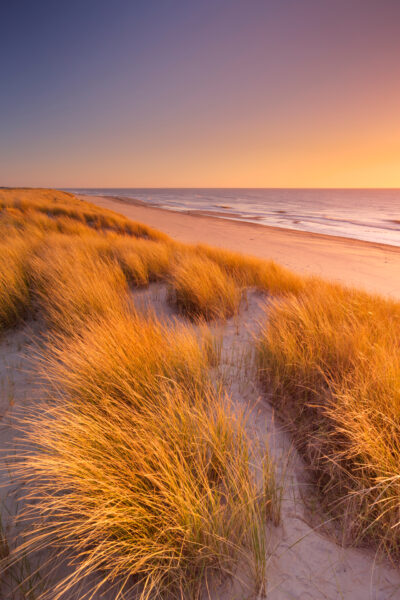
303,554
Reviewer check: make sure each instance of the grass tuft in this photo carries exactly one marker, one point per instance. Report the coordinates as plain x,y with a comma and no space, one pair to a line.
142,261
72,284
202,289
125,355
332,359
143,471
14,291
248,271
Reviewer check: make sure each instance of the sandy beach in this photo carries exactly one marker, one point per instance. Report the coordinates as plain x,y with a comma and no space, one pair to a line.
101,330
373,267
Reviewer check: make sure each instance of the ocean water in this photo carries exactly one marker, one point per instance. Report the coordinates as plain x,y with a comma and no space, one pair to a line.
364,214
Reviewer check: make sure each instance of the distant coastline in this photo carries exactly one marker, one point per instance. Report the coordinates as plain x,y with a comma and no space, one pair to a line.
367,215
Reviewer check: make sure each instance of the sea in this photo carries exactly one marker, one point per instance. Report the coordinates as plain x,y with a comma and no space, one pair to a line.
364,214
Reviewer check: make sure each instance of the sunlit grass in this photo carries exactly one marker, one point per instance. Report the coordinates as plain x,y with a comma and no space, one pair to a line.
202,289
22,204
248,271
207,282
165,497
72,284
329,355
14,292
143,471
142,261
332,359
124,355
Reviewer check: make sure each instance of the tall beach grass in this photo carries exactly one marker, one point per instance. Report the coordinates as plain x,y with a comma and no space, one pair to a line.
201,288
142,473
142,470
72,284
123,355
249,271
14,291
331,357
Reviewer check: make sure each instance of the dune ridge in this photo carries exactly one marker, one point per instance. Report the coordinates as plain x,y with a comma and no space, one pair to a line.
192,377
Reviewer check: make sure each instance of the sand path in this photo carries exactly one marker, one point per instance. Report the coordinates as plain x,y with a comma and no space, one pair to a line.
374,267
302,562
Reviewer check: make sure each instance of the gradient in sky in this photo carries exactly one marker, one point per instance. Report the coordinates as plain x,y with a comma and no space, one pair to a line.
223,93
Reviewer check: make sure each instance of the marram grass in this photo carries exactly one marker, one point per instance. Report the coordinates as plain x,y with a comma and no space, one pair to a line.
126,356
329,355
71,284
161,500
201,288
142,473
331,358
71,238
14,291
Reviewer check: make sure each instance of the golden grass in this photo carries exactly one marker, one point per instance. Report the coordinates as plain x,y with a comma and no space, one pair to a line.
248,271
332,358
21,205
14,292
123,355
206,281
143,472
142,261
80,250
202,289
72,284
161,500
330,355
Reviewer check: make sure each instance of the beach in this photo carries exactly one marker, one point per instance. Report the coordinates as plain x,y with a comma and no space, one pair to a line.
200,301
370,266
116,338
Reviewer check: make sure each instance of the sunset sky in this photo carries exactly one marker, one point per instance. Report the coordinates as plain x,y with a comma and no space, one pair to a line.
212,93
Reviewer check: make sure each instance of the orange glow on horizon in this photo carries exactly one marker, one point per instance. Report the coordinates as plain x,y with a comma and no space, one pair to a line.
232,95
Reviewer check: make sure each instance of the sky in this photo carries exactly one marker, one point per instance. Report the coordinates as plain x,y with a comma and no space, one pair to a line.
205,93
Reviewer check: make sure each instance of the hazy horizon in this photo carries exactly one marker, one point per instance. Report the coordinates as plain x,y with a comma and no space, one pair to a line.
196,187
207,187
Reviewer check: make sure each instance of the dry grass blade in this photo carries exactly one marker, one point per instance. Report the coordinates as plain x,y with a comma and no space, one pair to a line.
332,358
126,356
167,496
202,289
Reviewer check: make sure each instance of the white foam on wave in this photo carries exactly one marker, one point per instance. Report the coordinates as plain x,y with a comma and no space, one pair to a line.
361,214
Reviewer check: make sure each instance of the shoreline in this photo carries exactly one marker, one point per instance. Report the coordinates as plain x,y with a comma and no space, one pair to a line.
372,266
381,228
222,217
120,324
